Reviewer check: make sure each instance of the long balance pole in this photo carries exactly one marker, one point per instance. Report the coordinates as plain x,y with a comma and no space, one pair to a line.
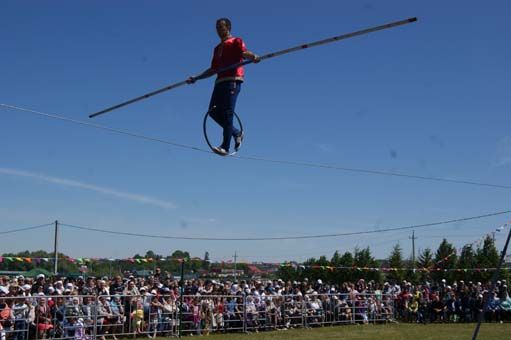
266,56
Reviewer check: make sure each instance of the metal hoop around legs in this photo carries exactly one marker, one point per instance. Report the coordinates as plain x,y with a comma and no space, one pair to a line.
204,129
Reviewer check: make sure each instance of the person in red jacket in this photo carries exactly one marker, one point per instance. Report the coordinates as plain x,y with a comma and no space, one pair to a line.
231,50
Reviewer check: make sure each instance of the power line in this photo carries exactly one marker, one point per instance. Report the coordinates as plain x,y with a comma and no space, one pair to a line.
413,237
374,172
314,251
25,229
102,127
259,159
191,238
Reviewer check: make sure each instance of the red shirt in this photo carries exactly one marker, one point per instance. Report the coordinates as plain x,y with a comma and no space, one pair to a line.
227,53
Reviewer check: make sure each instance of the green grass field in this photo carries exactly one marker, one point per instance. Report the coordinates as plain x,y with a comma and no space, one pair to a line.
380,332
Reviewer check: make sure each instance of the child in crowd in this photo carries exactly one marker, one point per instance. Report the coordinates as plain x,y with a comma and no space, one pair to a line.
80,330
137,317
196,316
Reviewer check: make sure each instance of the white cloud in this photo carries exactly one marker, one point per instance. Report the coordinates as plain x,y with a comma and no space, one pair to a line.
106,191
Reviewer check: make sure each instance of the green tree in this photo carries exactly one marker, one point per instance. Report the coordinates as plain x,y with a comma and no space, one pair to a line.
346,274
179,254
317,269
307,270
466,260
10,261
486,257
445,259
288,272
425,259
396,262
411,274
206,262
335,262
364,259
336,259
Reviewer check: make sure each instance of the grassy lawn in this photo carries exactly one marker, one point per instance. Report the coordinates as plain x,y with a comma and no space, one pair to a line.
379,332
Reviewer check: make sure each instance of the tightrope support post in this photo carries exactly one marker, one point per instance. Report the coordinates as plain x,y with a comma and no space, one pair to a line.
182,291
493,282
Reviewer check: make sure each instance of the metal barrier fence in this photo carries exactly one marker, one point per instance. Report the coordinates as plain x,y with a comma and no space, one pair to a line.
91,317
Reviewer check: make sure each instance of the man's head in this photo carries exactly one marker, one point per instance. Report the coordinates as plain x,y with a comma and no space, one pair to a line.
223,28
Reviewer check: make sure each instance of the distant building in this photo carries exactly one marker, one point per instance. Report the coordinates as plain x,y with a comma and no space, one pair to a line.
252,269
226,272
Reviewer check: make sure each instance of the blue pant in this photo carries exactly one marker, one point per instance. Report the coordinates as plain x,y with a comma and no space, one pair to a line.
20,329
221,109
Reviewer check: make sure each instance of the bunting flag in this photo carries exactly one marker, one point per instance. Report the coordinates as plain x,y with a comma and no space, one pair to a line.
81,260
477,243
386,269
437,266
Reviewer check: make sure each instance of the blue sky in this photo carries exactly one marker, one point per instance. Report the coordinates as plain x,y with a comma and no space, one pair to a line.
428,98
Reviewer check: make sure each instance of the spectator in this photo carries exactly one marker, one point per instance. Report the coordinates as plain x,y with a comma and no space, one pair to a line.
413,310
437,309
169,316
20,312
137,317
116,316
218,313
39,285
43,318
260,304
117,287
493,307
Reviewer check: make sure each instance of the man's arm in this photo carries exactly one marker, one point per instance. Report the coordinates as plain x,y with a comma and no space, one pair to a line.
252,56
206,74
209,72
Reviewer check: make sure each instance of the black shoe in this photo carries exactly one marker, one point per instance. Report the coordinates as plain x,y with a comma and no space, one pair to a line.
238,140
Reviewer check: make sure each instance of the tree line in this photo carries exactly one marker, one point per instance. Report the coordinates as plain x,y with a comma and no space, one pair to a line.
444,263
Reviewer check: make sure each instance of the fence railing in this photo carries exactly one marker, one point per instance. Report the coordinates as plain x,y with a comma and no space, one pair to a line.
91,317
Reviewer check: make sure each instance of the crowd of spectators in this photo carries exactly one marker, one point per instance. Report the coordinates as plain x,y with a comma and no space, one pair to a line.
83,308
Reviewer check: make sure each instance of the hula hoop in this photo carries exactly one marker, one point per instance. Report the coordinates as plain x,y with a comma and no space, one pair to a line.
204,129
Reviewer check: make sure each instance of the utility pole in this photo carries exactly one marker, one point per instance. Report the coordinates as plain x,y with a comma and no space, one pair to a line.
413,238
55,249
235,258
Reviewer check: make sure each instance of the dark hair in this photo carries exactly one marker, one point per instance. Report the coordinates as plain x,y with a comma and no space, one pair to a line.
227,22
